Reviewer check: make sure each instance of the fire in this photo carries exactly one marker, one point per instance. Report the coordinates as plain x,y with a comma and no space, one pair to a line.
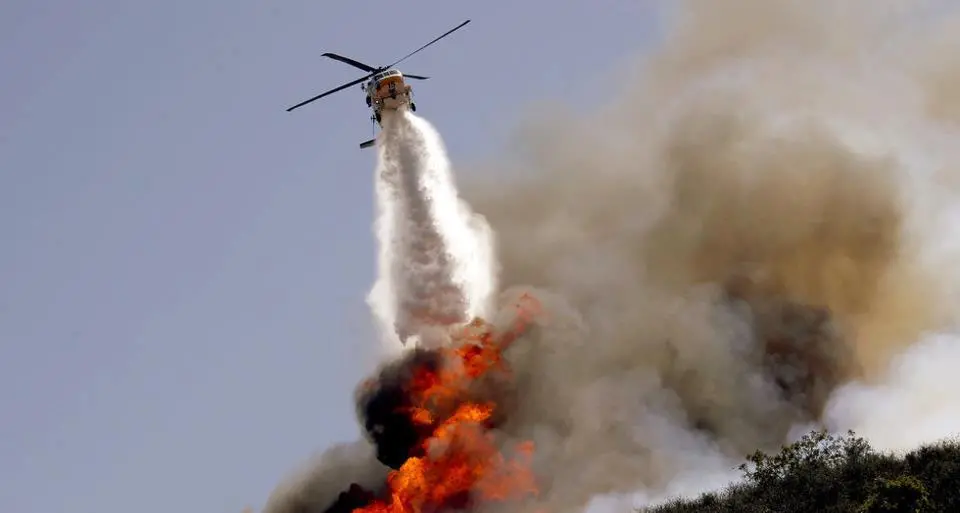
461,458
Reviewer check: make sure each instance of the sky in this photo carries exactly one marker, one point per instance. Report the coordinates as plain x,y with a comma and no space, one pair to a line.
184,264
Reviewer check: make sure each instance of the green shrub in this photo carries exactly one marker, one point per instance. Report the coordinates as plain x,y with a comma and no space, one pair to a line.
905,494
821,473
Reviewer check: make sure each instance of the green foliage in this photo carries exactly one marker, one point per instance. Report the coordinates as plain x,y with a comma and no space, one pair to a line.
822,473
903,494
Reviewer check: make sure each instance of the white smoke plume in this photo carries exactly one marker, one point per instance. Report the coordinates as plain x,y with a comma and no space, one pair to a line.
914,404
436,256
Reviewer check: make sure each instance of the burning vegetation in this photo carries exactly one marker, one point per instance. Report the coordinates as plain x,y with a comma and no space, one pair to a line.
430,416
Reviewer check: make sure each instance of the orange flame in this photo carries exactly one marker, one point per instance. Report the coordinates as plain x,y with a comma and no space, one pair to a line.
461,456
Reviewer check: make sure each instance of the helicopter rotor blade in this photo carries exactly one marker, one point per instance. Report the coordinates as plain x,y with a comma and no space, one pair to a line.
347,60
445,34
415,77
317,97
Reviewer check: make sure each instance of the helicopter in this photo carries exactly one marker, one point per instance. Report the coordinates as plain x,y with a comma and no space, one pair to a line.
385,87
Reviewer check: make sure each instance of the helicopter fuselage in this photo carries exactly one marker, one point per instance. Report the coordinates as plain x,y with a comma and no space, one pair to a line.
388,90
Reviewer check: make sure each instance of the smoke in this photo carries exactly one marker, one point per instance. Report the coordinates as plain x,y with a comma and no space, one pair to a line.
436,257
746,242
913,405
324,482
751,239
436,274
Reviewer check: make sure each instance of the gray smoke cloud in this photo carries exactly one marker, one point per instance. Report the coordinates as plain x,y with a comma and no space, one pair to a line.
752,238
318,482
746,242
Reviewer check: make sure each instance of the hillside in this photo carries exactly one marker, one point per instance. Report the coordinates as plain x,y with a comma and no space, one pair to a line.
824,474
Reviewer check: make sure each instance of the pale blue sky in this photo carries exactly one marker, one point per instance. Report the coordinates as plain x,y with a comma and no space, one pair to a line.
184,263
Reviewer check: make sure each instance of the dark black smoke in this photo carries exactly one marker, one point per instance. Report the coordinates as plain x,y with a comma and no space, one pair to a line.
383,410
384,404
350,499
